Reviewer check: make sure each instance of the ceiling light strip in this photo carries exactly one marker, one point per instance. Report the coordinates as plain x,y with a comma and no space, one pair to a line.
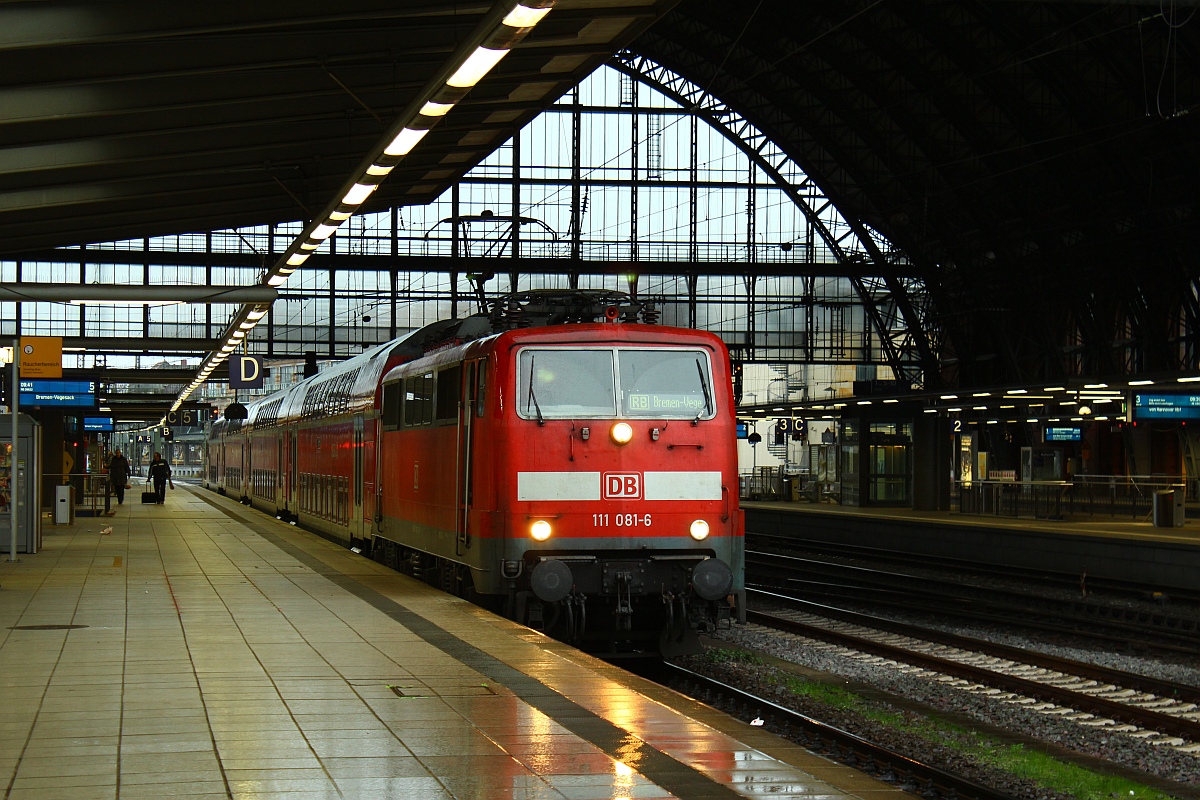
492,40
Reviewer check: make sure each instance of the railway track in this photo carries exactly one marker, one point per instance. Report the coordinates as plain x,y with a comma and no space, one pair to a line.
835,581
838,745
790,545
1160,712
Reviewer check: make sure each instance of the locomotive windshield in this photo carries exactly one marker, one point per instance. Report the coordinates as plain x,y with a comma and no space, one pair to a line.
659,383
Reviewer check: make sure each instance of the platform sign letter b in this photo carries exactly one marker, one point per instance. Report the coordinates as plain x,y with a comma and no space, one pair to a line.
245,372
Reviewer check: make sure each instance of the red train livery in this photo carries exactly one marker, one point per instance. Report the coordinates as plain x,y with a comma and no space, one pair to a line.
580,477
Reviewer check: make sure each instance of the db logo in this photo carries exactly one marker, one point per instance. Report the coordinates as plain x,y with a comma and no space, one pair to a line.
622,485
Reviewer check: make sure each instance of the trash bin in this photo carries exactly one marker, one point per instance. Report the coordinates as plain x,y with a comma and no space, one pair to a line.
1164,509
64,505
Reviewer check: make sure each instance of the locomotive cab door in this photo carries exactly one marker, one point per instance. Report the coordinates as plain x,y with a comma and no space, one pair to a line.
471,377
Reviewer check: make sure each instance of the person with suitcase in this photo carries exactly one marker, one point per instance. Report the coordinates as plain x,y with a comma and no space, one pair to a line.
118,475
160,473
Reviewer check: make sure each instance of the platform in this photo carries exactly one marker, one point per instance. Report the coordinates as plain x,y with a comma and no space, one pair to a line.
224,654
1116,547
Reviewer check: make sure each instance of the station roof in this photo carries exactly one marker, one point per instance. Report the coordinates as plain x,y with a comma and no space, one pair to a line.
1039,162
127,119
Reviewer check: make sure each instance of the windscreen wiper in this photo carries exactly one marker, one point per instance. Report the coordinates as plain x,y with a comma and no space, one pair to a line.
704,388
532,396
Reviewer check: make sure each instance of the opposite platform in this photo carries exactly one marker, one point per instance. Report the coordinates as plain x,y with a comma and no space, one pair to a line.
226,654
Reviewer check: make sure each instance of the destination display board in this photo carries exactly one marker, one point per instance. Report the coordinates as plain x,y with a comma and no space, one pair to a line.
97,424
58,393
1166,406
1064,434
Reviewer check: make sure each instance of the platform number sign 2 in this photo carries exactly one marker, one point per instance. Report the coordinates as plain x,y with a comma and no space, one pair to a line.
958,426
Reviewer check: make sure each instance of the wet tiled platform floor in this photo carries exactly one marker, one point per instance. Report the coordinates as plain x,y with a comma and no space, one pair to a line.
223,654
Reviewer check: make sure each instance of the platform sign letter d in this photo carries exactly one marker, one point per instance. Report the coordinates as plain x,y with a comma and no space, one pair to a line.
245,372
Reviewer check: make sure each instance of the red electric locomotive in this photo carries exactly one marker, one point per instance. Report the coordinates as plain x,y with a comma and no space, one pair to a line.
582,477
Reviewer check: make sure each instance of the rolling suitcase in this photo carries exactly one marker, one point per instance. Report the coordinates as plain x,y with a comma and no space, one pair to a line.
149,497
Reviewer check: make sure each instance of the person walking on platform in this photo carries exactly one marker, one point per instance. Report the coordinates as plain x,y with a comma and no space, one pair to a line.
118,475
160,473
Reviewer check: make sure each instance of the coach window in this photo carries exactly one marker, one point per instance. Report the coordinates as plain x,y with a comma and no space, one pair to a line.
392,392
449,391
418,399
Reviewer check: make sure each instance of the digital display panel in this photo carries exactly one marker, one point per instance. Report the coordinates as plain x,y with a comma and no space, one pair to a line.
58,393
97,423
1064,434
1166,406
743,430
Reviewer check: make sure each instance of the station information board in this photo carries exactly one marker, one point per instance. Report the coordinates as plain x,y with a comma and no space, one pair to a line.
1166,406
1064,434
58,393
98,424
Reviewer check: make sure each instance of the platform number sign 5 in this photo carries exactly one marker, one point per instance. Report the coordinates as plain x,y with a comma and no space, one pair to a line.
622,485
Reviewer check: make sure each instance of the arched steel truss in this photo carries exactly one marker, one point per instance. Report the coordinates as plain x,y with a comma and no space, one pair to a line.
887,300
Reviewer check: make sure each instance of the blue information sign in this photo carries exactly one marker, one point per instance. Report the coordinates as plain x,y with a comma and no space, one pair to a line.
1064,434
1166,406
97,423
58,393
743,430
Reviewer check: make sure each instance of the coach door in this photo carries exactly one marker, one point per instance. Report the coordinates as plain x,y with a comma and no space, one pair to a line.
356,488
293,470
466,434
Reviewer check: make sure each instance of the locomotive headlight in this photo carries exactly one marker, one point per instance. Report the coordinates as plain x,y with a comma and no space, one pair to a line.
699,530
621,433
540,530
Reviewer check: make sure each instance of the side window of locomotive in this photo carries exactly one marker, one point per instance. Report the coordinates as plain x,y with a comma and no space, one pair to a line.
418,400
566,384
392,393
449,392
665,383
480,387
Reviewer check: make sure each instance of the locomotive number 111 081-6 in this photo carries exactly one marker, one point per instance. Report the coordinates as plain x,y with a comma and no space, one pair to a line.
621,520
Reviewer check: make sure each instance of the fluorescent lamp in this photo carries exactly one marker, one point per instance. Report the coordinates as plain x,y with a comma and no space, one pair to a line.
359,193
1017,391
238,334
405,140
376,169
322,232
1188,380
296,259
949,397
256,314
154,303
1055,389
306,245
525,17
479,63
432,109
277,280
1141,383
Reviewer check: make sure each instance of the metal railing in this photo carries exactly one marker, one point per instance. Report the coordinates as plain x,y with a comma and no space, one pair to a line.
1115,497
